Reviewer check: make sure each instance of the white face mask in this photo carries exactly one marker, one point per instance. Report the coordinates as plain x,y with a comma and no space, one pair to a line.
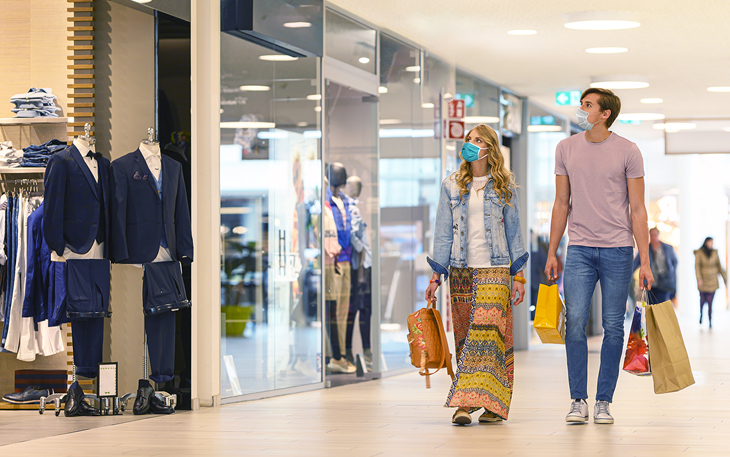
583,119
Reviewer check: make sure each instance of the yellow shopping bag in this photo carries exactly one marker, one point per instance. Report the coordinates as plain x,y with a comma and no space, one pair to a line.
550,315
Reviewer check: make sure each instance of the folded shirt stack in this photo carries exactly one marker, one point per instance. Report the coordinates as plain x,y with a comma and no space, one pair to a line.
9,156
34,103
38,155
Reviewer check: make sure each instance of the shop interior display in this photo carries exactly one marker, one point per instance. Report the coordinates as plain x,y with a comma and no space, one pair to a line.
64,237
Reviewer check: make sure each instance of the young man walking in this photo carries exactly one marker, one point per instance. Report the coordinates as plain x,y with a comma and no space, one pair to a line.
600,194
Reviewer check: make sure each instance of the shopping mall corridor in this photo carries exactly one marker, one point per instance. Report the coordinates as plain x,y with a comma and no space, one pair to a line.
397,416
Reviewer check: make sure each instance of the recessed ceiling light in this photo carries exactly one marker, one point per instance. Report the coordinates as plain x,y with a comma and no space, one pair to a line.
314,97
620,82
481,119
414,68
726,129
522,32
607,50
417,80
544,128
302,124
601,20
255,88
651,100
390,121
675,126
248,125
640,117
719,89
426,105
318,108
278,58
382,90
363,60
297,25
141,1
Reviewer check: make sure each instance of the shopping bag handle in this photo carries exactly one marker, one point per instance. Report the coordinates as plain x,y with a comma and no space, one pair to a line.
553,281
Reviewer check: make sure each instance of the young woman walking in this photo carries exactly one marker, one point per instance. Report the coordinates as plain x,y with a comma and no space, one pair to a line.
478,245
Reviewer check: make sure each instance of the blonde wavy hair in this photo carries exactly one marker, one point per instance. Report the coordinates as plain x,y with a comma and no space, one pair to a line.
504,180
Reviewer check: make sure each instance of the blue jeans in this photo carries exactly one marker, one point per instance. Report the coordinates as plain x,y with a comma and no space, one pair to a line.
584,266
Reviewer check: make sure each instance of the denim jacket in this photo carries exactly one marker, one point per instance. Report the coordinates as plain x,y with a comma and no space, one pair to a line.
501,222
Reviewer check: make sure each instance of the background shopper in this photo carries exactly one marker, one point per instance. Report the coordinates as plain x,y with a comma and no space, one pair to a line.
478,241
663,263
707,267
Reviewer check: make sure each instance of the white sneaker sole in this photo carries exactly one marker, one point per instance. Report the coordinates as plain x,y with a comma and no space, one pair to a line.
576,419
603,421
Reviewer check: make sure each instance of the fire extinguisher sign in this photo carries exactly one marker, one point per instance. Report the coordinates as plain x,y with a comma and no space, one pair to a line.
454,129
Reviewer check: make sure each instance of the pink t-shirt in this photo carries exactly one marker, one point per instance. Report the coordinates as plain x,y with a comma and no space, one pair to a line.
599,195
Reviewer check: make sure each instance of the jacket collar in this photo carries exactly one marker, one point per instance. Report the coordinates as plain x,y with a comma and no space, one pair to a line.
84,169
142,164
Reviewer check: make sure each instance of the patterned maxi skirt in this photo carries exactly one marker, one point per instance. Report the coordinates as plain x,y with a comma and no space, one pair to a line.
480,302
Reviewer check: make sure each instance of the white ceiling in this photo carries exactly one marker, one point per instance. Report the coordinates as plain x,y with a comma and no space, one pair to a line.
682,47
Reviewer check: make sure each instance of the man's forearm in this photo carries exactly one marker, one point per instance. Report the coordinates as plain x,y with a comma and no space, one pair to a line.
640,225
557,226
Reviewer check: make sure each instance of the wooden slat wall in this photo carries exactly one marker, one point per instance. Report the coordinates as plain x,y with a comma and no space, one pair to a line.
81,66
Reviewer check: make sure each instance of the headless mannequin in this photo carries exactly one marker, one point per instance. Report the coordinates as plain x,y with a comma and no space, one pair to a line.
153,157
97,249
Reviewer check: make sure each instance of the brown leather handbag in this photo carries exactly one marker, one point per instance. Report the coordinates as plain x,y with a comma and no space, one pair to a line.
427,341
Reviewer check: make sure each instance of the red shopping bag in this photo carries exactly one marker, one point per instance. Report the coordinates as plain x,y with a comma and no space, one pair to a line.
636,360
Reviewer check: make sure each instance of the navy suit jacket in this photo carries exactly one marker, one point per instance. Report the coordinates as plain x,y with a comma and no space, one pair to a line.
72,203
139,216
36,302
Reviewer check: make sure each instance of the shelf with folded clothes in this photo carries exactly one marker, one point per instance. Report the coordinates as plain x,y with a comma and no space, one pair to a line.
33,120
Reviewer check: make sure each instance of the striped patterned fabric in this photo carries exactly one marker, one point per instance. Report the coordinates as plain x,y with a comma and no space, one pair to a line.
480,299
46,379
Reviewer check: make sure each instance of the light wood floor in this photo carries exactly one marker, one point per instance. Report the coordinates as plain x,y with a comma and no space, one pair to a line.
398,417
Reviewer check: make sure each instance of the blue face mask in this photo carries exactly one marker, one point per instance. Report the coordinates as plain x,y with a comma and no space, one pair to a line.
470,152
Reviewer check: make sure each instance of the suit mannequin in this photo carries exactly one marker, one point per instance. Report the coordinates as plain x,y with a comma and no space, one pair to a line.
76,226
151,223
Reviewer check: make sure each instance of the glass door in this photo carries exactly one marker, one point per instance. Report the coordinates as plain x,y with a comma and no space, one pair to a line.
351,201
270,181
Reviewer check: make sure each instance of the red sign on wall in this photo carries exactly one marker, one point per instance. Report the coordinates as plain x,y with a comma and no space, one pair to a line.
457,109
454,130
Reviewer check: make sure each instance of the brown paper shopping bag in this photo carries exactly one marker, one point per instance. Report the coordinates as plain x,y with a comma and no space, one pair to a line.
669,361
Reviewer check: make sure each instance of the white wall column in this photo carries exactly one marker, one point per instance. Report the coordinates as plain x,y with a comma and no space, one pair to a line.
205,76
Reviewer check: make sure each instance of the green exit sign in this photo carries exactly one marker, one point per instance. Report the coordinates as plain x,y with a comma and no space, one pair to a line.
567,98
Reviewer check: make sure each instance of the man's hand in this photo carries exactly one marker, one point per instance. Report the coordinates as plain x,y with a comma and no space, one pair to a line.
645,276
551,268
517,288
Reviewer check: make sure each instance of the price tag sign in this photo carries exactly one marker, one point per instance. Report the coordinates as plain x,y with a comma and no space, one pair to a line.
106,382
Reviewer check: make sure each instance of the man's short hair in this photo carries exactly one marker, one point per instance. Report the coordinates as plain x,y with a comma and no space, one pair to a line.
654,228
607,100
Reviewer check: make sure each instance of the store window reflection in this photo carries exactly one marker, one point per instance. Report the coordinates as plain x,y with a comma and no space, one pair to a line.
270,184
410,175
545,131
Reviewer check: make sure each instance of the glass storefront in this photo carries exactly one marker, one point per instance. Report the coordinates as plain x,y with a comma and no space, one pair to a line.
545,131
270,183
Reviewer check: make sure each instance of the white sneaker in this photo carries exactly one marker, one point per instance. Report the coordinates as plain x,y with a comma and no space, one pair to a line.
601,413
305,368
341,366
578,411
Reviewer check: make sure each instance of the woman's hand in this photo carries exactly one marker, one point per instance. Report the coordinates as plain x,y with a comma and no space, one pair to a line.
699,283
431,291
517,287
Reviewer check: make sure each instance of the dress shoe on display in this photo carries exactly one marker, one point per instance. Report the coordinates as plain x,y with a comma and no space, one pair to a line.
30,395
142,402
73,400
157,406
86,409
